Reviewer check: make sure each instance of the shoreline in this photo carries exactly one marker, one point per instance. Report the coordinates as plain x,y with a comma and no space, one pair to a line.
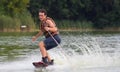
62,31
70,30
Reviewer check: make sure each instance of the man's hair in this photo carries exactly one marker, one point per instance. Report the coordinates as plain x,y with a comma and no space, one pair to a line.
43,11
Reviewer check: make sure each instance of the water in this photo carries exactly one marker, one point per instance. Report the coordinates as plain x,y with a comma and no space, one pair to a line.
83,53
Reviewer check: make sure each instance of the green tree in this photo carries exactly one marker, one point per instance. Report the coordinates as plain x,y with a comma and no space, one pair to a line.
13,7
107,14
103,13
13,14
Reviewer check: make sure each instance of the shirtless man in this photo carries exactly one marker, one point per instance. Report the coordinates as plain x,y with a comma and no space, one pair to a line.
47,25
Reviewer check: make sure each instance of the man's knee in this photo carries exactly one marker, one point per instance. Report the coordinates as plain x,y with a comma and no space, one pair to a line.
41,44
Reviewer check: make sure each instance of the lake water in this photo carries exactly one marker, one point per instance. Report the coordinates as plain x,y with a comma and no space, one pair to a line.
77,53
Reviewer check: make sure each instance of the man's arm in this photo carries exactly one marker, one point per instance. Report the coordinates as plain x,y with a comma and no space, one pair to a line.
37,35
52,27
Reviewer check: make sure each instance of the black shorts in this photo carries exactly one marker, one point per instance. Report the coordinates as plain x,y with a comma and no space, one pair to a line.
50,43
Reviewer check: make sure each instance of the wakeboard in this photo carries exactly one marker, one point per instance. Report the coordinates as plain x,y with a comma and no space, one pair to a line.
39,64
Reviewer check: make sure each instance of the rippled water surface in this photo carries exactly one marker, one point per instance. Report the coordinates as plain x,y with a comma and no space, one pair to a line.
77,53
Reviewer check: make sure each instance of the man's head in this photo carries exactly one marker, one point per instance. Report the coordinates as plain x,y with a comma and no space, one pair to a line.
42,14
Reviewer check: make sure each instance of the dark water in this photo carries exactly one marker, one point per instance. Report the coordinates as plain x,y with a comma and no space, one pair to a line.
77,53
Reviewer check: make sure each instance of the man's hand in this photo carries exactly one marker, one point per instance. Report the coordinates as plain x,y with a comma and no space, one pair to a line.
33,38
47,28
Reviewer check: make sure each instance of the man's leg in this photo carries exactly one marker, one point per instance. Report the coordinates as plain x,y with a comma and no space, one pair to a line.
43,51
49,59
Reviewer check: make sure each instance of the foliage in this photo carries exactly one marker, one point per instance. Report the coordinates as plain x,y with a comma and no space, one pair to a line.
97,13
67,24
13,14
13,7
103,13
12,24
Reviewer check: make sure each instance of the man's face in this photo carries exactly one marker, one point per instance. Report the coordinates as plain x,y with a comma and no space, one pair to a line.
42,16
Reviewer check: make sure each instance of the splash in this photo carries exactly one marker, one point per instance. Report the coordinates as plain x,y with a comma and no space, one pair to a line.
87,53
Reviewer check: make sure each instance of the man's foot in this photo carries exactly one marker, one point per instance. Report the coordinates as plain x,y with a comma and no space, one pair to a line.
45,60
51,62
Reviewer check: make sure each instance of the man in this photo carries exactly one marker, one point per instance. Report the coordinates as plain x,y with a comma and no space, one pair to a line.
47,28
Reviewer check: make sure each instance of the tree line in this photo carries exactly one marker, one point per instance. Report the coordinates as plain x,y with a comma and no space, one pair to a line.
98,13
102,13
